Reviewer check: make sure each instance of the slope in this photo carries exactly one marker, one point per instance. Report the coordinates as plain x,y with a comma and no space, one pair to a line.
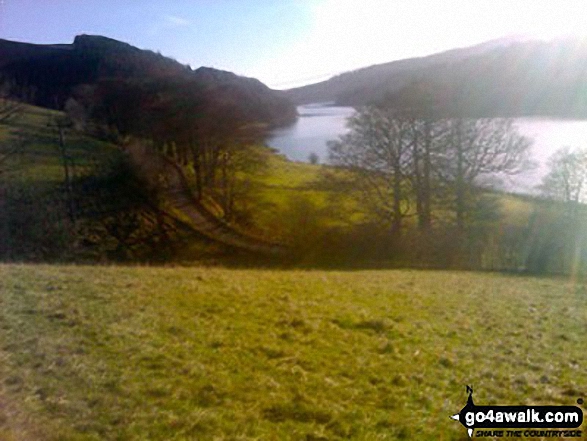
151,353
47,75
390,76
501,78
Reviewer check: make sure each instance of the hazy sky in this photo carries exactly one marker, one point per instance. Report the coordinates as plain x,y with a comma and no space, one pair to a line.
286,43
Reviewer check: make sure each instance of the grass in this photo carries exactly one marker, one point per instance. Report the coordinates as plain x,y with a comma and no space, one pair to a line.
121,353
292,197
39,161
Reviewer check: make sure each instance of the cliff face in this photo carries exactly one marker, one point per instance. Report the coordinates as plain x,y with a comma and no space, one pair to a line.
47,75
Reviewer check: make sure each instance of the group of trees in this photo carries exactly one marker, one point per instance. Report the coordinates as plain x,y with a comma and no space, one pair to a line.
406,165
439,171
208,138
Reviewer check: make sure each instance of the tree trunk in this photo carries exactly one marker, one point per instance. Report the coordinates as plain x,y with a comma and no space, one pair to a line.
196,158
67,173
417,173
460,177
425,217
397,200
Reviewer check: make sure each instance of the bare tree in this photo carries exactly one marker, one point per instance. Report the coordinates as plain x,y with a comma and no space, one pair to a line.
479,147
237,165
376,152
61,125
567,177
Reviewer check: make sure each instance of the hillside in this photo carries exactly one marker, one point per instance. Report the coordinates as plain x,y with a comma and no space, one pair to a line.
280,201
499,78
390,76
105,192
47,75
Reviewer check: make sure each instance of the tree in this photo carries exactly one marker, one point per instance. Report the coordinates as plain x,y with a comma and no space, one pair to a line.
567,176
420,102
120,215
313,158
558,235
474,148
61,125
238,164
199,143
424,148
376,154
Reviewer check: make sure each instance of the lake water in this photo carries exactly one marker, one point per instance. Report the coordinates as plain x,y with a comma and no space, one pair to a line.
316,125
320,123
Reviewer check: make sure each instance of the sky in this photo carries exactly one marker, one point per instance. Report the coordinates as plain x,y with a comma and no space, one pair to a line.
288,43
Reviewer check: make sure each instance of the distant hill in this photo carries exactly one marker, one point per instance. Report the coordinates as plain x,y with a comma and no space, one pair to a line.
47,75
497,78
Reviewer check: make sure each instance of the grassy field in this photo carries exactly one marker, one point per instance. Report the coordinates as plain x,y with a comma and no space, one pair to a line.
39,161
122,353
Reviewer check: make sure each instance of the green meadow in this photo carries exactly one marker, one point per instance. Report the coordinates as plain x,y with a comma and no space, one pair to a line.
143,353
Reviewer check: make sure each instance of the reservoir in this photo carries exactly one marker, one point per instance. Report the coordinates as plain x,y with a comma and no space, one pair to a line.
319,123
